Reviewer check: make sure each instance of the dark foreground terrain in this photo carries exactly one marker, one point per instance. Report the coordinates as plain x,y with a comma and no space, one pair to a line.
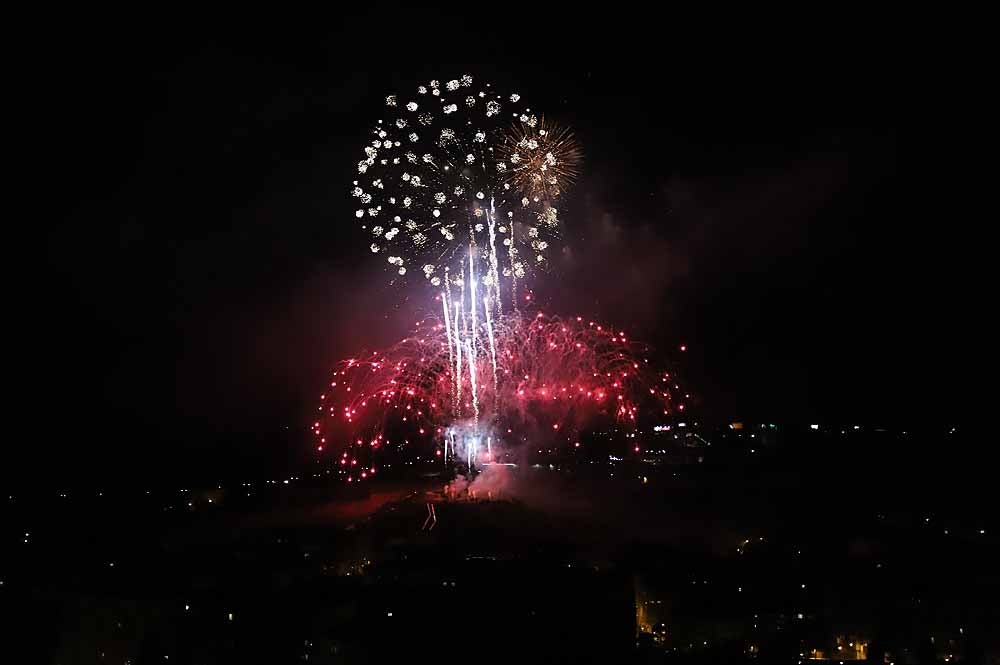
768,558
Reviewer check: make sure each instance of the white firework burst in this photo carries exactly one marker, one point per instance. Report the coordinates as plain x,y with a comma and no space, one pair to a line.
456,184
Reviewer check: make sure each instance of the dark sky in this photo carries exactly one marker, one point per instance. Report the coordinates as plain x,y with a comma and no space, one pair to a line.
763,199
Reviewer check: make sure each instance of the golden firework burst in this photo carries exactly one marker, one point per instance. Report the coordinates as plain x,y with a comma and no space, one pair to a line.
543,157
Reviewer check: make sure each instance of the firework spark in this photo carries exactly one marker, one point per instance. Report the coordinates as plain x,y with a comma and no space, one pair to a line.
557,376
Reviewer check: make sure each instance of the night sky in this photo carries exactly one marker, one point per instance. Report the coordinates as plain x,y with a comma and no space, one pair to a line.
765,202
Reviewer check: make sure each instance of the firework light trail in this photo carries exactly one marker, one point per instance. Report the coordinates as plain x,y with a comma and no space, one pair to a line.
460,180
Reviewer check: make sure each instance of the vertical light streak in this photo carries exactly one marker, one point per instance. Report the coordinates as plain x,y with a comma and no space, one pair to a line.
472,381
458,362
494,273
451,352
493,348
472,296
513,273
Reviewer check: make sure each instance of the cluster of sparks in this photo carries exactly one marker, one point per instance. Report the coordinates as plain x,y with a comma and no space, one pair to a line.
458,170
543,158
553,377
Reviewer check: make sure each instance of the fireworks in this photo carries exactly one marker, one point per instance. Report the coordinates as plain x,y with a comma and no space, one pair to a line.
445,179
555,378
543,159
458,182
